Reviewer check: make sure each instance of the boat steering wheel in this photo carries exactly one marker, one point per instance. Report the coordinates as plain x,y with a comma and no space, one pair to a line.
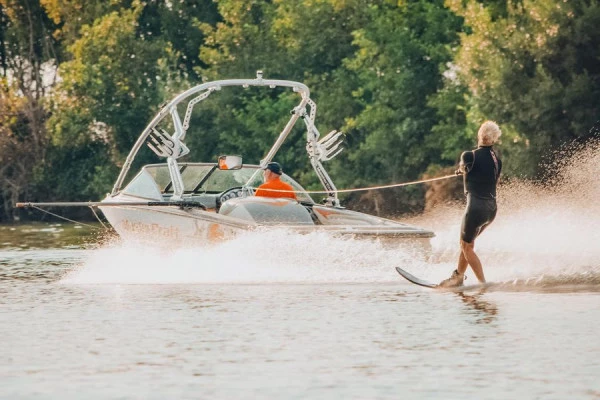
233,193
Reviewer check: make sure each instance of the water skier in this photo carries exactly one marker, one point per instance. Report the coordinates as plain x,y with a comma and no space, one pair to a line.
480,169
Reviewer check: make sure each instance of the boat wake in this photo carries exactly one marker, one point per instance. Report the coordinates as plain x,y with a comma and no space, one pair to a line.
253,257
544,236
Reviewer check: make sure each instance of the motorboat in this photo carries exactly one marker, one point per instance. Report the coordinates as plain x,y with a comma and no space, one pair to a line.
207,201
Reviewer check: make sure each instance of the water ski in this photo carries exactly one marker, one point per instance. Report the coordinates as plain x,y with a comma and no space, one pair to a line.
421,282
415,280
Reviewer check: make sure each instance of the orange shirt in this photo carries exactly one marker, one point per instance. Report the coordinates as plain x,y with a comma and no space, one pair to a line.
276,184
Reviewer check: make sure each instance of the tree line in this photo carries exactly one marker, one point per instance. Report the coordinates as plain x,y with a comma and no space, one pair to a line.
408,81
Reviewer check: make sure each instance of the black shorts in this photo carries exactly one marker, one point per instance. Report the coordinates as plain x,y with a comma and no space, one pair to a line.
478,215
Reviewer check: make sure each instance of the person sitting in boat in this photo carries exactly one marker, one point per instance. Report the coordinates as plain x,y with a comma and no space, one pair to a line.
274,186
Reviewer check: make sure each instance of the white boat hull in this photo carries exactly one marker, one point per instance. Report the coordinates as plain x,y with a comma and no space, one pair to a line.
191,226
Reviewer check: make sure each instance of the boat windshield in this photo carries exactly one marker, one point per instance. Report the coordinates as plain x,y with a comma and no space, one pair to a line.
206,178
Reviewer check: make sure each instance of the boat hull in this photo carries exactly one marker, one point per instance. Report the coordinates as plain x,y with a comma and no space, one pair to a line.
193,226
170,224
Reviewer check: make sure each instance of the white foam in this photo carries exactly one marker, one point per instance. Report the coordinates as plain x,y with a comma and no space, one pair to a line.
256,257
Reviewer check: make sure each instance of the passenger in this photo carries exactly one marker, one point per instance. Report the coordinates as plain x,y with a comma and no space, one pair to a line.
480,169
274,186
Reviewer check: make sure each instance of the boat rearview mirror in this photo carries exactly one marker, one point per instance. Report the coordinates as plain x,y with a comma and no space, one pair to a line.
230,162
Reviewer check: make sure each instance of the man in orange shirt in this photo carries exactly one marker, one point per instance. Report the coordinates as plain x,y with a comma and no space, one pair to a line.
274,186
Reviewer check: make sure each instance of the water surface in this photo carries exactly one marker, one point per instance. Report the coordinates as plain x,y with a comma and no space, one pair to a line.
278,315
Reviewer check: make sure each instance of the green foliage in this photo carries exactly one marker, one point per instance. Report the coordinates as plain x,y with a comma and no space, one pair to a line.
177,23
80,174
408,81
398,59
451,132
69,16
240,44
26,58
115,76
534,71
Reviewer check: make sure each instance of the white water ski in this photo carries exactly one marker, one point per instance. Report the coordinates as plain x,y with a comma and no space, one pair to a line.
421,282
417,281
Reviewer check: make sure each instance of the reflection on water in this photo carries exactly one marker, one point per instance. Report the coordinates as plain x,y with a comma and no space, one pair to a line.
39,265
54,235
485,310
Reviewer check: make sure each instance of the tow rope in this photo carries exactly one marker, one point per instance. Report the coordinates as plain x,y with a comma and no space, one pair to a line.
365,188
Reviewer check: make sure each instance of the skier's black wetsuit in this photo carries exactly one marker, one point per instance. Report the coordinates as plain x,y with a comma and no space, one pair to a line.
482,169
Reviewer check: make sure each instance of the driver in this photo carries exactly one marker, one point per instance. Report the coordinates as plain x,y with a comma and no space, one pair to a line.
274,186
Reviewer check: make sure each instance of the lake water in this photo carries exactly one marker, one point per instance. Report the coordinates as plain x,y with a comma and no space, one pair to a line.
277,315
